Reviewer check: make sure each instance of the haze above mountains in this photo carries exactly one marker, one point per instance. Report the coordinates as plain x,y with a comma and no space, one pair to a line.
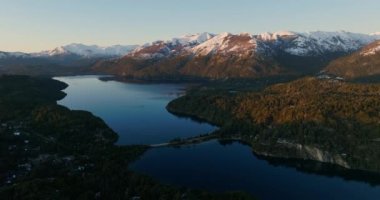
212,56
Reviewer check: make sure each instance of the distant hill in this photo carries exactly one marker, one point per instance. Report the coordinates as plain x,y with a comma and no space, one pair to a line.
69,59
363,63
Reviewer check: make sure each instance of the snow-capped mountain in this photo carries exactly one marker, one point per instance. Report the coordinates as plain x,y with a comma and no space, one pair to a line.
297,44
88,51
192,39
80,50
175,46
318,43
275,36
238,55
207,55
69,59
226,42
13,55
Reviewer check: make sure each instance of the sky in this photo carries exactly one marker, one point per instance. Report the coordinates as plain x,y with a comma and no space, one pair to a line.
35,25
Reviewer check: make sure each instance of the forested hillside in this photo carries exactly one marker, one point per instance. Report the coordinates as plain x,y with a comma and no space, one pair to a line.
298,119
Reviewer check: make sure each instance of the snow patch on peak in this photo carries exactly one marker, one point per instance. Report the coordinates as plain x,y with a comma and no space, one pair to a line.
242,43
285,33
57,51
224,34
13,54
244,34
191,39
375,34
211,45
94,50
375,48
324,35
319,42
267,36
88,51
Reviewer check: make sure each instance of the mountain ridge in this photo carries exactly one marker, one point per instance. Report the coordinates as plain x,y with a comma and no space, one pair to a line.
78,49
204,55
64,60
244,55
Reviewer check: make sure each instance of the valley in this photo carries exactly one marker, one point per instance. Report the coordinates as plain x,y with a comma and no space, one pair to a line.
301,106
190,100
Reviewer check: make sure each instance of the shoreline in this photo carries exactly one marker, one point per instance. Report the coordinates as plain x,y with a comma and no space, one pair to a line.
302,152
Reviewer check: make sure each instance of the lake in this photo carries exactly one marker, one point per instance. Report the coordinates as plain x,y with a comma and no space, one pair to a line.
137,113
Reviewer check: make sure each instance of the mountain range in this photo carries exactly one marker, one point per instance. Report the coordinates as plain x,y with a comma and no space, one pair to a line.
242,55
212,56
86,51
69,59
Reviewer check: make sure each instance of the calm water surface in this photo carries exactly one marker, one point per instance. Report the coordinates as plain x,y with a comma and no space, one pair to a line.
137,113
233,167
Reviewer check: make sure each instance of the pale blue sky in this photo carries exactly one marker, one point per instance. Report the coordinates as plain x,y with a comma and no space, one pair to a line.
34,25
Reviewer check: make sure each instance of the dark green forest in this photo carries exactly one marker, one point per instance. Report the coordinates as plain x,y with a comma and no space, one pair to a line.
325,120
